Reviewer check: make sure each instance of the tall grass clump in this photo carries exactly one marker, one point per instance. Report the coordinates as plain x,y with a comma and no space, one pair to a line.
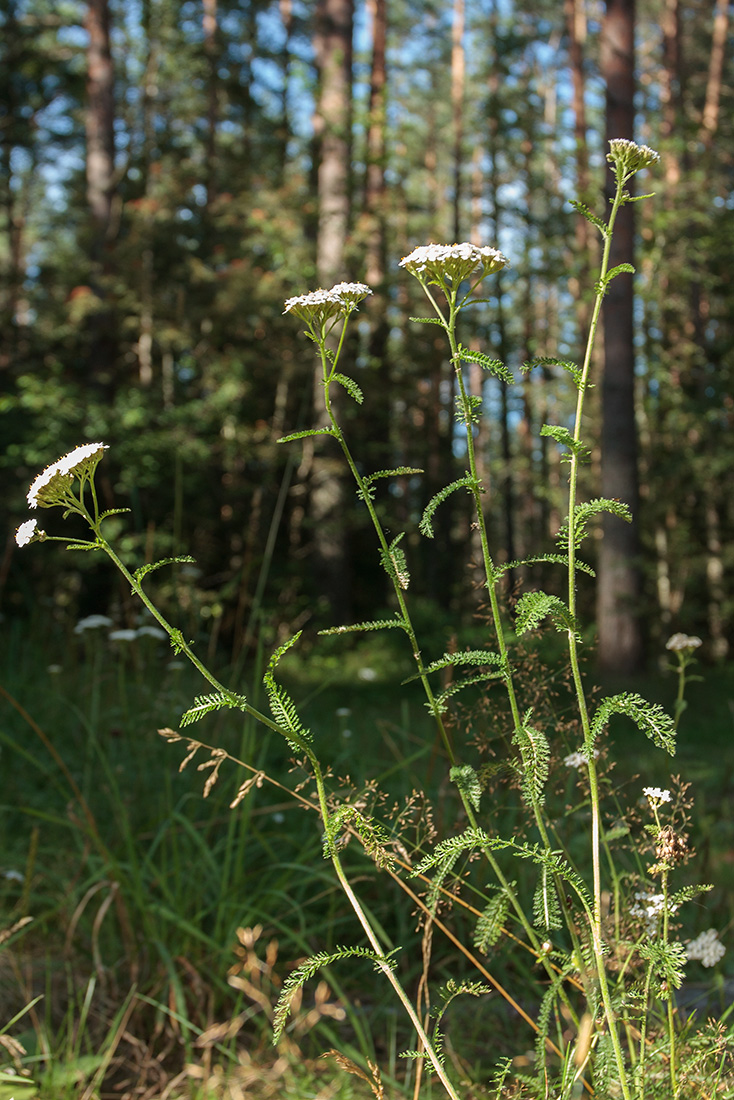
581,885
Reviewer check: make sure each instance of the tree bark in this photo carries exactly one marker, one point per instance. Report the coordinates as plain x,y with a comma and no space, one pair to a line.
332,127
619,587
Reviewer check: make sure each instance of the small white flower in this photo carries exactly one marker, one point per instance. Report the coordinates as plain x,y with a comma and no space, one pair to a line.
92,622
367,674
343,712
51,483
657,794
683,641
346,733
122,635
151,632
575,760
14,876
27,532
707,948
648,906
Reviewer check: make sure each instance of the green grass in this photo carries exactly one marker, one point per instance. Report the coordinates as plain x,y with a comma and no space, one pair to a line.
137,885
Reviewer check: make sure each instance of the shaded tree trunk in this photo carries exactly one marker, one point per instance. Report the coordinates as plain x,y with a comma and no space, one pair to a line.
100,175
619,588
332,126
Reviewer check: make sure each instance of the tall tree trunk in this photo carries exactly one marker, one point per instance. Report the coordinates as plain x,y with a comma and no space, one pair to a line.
332,126
100,123
619,588
210,47
458,67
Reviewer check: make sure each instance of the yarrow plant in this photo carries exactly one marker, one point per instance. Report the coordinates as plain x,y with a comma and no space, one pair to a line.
604,944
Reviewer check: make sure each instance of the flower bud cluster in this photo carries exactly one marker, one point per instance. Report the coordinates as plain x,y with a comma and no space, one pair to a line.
321,305
679,642
50,485
628,157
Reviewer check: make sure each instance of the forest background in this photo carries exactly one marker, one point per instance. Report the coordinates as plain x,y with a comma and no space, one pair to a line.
172,172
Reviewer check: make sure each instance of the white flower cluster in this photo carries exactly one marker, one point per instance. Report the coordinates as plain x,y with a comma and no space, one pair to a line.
683,641
321,304
27,532
64,469
578,759
629,156
648,907
707,948
94,622
457,261
657,794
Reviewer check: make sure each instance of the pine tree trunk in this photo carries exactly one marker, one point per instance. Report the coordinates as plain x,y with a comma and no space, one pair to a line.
332,125
619,587
100,173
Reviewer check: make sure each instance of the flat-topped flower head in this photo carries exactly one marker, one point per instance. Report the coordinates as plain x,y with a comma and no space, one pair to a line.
435,263
656,795
707,948
323,305
680,642
28,532
51,486
628,157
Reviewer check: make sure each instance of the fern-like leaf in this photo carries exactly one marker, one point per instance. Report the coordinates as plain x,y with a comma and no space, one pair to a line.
494,366
468,782
535,756
303,435
554,559
350,386
282,707
205,704
465,657
491,922
650,719
428,321
620,269
549,361
533,607
298,977
459,685
585,511
113,512
144,570
395,563
374,624
564,438
586,213
546,908
425,526
398,471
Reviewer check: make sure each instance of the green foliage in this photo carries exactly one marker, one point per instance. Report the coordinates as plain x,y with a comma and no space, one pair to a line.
298,977
350,386
395,563
491,922
564,437
533,607
583,513
355,628
468,782
495,366
466,482
151,567
205,704
650,718
535,756
282,707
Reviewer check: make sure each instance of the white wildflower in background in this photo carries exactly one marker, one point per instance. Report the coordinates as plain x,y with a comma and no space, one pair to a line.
14,876
679,642
628,157
578,759
367,674
322,305
92,622
151,632
433,263
648,906
27,532
657,794
122,635
707,948
50,486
